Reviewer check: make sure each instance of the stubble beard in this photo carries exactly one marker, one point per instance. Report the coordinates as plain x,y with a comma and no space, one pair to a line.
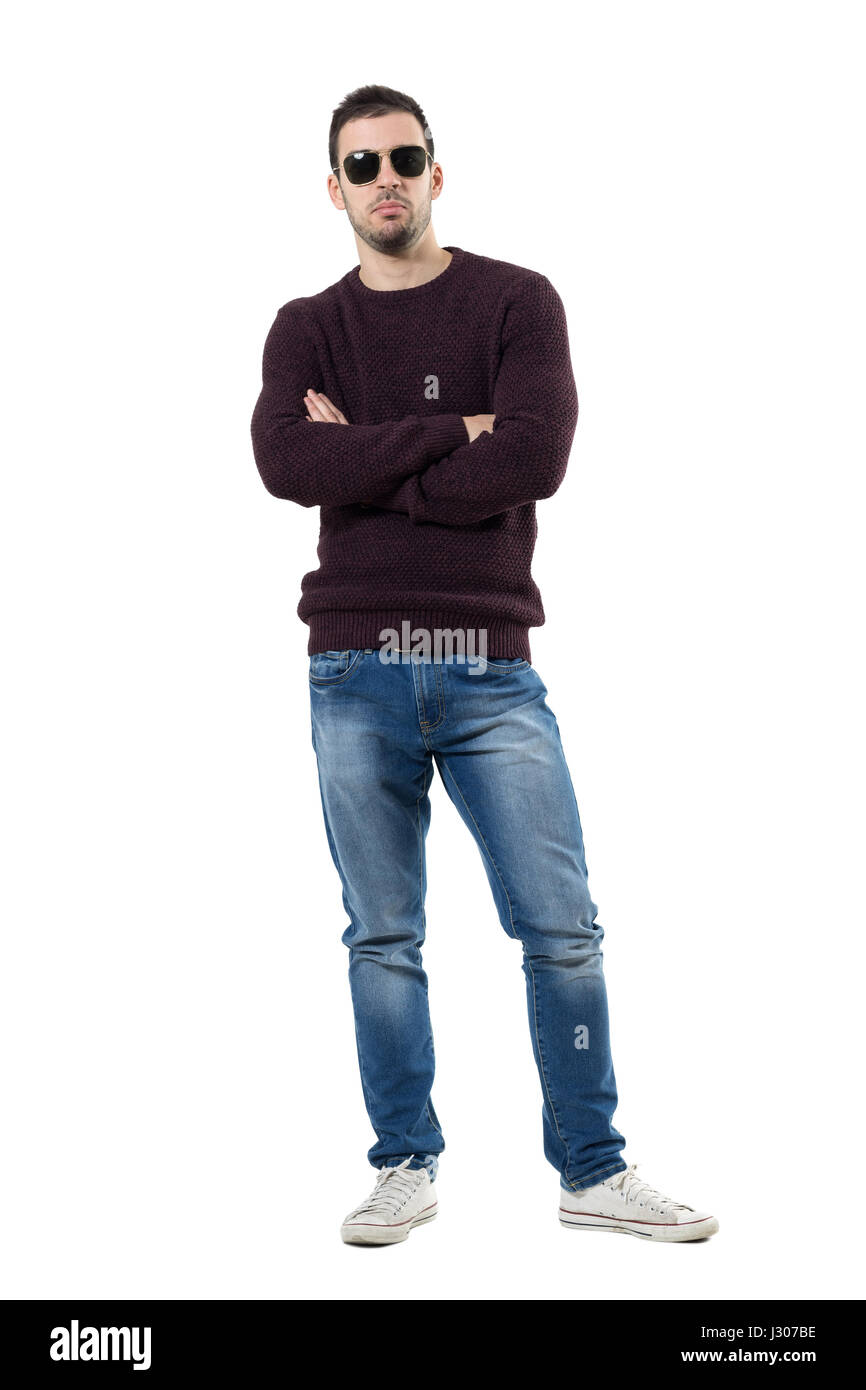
393,237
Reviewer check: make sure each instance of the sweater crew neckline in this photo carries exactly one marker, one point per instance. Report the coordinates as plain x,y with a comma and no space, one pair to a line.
411,291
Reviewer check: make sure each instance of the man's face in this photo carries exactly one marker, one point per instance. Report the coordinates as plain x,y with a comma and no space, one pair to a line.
369,207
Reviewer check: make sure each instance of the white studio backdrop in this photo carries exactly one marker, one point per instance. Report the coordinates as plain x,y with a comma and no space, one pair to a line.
183,1115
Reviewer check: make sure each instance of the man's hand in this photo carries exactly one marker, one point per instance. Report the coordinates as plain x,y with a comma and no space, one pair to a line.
477,424
322,411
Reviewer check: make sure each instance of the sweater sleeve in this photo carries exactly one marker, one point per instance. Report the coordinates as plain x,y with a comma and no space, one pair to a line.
318,464
535,404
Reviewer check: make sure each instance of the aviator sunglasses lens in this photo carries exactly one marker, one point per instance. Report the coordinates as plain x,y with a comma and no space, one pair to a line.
361,167
408,161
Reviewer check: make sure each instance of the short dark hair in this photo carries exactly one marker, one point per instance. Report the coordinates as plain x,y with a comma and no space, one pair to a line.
373,101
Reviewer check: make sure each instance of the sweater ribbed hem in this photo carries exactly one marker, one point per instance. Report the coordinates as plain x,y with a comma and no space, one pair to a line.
334,630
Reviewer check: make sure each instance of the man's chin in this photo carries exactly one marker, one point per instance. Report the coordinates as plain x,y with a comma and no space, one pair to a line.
393,239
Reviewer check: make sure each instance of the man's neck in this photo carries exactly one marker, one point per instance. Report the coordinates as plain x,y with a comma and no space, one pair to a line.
402,272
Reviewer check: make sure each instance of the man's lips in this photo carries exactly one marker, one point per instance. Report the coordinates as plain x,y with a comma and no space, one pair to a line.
389,207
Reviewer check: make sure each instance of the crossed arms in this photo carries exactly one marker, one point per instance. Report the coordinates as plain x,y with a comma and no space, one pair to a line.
430,467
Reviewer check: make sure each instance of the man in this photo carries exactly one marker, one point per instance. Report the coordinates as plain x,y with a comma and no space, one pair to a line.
443,386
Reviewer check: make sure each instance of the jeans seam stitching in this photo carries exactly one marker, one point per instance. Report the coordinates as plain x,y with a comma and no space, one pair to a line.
428,724
541,1058
418,801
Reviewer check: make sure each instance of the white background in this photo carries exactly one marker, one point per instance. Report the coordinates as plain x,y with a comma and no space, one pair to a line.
182,1112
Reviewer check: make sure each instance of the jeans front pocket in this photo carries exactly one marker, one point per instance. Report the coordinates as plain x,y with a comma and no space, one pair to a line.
331,668
516,664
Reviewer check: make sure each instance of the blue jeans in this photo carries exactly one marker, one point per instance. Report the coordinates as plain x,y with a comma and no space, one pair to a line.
377,730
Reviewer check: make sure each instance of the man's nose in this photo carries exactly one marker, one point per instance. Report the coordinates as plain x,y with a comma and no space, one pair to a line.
386,171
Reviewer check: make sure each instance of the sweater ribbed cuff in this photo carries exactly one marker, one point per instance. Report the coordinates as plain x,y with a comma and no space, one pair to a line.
444,434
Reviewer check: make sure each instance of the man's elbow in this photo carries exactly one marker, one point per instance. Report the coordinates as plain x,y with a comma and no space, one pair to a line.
553,463
279,470
279,485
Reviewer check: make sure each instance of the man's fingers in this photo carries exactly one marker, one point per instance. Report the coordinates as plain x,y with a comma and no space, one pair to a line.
316,405
321,408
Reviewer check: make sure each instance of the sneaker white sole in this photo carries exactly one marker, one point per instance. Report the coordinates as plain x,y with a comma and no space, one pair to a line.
649,1230
368,1233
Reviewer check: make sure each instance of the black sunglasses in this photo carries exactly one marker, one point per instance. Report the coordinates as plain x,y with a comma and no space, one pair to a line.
407,161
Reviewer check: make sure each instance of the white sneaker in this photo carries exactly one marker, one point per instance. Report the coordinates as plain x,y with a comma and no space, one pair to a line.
402,1198
626,1203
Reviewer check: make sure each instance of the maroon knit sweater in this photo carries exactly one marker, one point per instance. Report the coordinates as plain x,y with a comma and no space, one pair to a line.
418,523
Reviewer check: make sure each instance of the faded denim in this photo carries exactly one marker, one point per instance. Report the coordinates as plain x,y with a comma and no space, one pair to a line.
378,730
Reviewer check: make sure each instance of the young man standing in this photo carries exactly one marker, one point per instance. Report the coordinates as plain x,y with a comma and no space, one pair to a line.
443,384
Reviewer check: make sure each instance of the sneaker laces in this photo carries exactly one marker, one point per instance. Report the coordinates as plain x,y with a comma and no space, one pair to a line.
631,1187
393,1187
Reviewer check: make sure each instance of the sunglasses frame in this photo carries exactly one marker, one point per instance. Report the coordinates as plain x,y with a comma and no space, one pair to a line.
366,182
